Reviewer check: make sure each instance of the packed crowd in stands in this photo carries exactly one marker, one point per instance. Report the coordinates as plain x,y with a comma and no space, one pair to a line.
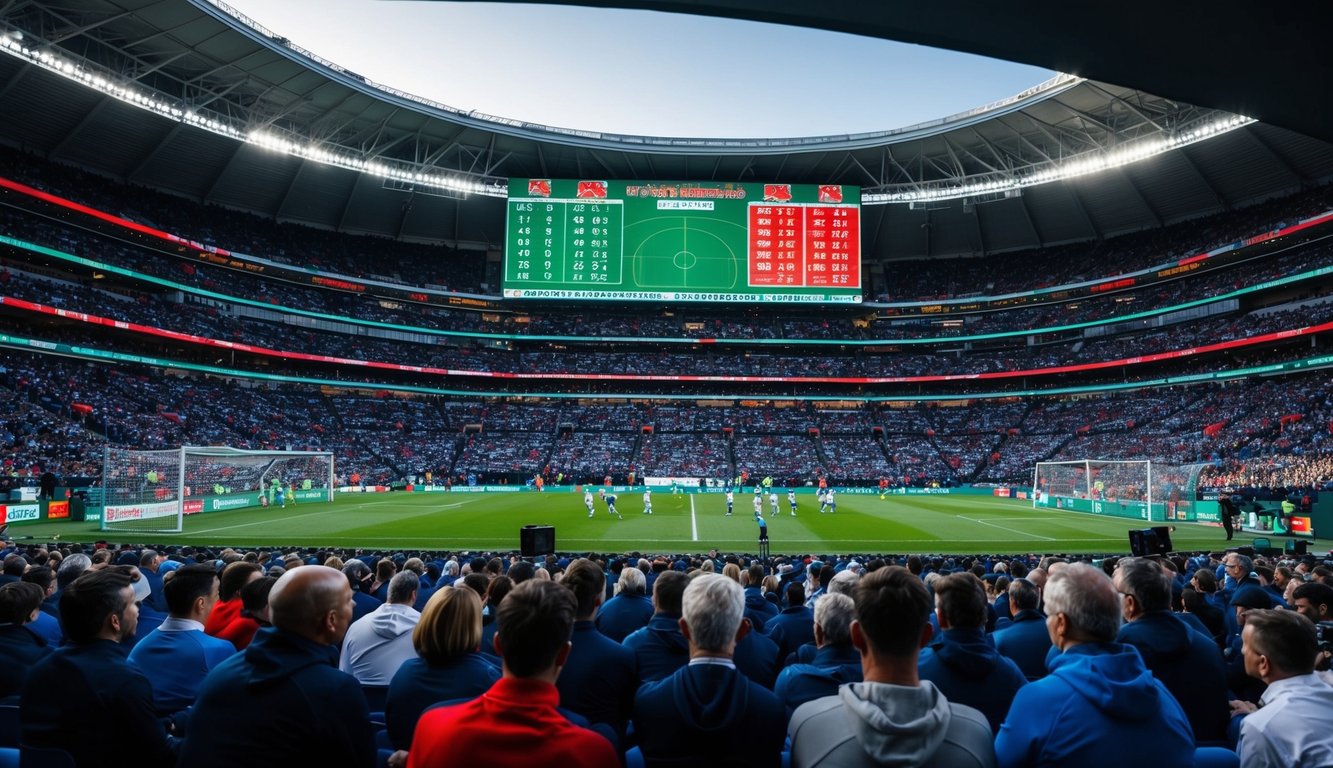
1269,431
388,437
211,322
358,256
754,324
203,657
681,324
193,656
426,266
673,454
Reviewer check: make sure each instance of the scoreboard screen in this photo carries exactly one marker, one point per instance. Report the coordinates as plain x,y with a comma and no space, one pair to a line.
676,241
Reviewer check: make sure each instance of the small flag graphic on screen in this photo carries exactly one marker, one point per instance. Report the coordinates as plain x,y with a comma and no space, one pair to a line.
591,189
539,187
777,193
830,193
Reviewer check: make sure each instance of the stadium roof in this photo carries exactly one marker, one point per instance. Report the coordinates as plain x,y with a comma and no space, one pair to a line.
186,97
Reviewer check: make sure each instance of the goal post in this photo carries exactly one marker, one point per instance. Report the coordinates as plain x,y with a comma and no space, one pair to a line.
1142,489
153,490
1103,486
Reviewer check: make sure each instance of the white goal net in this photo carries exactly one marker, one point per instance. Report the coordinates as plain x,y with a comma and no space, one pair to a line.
1164,491
153,491
1092,479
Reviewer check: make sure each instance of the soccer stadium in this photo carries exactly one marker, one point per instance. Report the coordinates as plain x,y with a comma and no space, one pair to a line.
260,314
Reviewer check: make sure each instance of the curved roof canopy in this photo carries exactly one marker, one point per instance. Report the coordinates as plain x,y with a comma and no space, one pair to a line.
185,97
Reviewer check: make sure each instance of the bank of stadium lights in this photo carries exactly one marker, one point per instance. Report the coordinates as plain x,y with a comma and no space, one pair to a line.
1081,166
318,154
13,44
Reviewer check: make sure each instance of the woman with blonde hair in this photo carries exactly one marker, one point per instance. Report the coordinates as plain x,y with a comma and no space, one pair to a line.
732,571
448,666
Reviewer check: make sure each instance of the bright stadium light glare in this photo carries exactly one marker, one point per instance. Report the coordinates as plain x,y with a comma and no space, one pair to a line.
181,112
1080,166
992,184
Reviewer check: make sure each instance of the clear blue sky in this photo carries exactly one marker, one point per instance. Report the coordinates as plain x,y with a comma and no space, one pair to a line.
641,72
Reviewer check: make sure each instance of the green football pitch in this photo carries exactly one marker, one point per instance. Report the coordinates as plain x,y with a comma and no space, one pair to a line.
679,523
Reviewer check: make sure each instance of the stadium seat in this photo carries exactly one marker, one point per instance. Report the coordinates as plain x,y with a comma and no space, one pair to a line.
1215,757
45,757
9,725
1262,546
9,757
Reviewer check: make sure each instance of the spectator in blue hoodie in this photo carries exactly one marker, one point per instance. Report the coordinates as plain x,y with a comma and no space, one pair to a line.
757,609
599,678
1099,706
659,648
794,625
1025,640
836,662
708,711
1187,662
283,697
962,661
20,647
448,666
629,610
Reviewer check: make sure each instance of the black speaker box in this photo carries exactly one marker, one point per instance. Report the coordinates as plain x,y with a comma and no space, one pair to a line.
1150,541
536,540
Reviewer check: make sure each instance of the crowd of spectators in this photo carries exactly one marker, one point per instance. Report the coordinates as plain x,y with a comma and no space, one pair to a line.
204,656
61,412
751,324
1265,432
476,364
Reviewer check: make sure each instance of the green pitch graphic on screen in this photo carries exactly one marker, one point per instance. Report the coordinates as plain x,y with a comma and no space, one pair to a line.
679,241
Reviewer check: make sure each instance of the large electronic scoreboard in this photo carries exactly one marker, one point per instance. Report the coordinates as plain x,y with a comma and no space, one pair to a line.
677,241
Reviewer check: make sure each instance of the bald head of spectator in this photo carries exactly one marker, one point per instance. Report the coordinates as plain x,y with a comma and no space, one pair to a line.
313,602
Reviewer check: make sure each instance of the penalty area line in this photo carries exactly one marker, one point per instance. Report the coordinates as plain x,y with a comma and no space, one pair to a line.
1006,528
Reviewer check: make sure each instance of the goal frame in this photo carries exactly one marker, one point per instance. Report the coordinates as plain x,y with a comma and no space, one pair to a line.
1087,465
171,512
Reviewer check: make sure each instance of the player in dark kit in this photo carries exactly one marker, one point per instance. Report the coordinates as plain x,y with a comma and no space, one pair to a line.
763,536
1228,510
